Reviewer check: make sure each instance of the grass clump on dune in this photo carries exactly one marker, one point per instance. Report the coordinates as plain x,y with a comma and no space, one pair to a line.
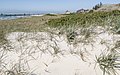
108,63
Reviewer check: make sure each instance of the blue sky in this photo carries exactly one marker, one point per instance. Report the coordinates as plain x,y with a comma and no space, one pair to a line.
50,5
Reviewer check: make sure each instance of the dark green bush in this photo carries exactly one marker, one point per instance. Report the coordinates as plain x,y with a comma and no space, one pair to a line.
50,14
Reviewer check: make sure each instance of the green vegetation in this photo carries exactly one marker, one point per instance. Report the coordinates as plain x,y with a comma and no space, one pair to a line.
62,22
85,19
50,14
108,63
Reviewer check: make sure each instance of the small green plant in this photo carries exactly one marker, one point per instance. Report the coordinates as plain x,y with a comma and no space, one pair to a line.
2,37
71,36
108,63
91,11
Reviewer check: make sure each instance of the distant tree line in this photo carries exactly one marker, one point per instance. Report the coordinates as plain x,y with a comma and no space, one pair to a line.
97,6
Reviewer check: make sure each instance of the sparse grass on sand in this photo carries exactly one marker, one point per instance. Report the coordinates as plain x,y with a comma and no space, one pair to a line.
29,24
39,23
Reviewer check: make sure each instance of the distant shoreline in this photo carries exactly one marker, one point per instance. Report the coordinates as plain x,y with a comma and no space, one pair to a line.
18,14
15,16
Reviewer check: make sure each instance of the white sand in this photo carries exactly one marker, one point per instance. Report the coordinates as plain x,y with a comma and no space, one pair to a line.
35,50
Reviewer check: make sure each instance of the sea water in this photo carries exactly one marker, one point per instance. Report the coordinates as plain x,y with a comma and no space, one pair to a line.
11,17
8,16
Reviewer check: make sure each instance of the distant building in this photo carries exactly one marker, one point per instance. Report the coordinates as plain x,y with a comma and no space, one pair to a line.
67,12
82,11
